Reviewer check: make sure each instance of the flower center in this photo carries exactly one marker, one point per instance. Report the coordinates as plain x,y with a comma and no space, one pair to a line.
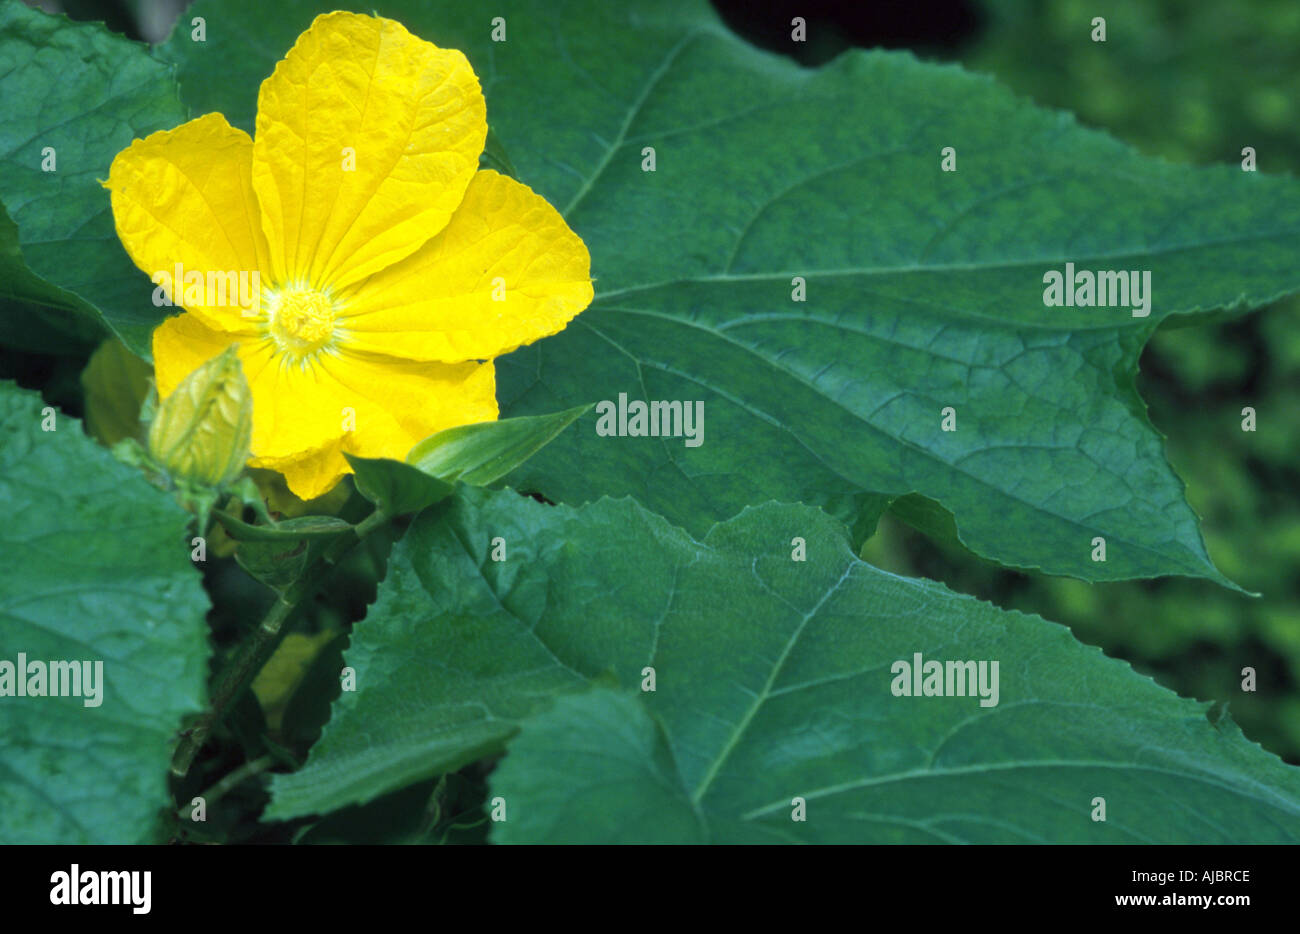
300,319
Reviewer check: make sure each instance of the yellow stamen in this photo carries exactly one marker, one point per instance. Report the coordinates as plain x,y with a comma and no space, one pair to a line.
300,320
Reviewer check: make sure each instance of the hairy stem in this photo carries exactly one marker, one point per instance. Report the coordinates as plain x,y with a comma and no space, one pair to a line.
254,652
237,777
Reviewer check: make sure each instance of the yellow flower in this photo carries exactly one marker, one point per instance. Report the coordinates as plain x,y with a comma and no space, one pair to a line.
391,269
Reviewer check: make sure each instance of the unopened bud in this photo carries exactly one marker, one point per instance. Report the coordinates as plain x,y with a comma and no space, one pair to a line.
203,430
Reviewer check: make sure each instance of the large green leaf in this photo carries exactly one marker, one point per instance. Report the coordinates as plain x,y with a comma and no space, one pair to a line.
60,323
96,569
596,768
84,93
773,681
924,288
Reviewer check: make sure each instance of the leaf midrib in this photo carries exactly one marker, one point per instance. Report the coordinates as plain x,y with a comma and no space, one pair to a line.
868,271
991,767
930,455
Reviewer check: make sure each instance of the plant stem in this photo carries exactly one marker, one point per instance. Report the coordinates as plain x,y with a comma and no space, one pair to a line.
253,654
237,777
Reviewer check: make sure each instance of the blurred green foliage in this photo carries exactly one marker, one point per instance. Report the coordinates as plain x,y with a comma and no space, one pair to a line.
1190,82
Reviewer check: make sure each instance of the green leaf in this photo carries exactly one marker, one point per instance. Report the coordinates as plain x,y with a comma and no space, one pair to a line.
476,454
483,453
286,530
924,287
58,322
96,568
495,157
44,330
596,753
308,707
448,811
395,487
115,385
772,681
84,93
277,564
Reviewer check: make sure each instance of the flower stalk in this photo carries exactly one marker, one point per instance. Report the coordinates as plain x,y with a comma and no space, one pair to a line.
258,648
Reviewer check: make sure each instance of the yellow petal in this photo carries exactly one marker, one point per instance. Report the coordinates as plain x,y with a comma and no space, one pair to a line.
367,137
398,402
383,407
305,417
185,196
184,343
506,271
275,491
309,475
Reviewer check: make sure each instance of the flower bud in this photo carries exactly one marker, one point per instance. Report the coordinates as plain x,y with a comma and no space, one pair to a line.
202,431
